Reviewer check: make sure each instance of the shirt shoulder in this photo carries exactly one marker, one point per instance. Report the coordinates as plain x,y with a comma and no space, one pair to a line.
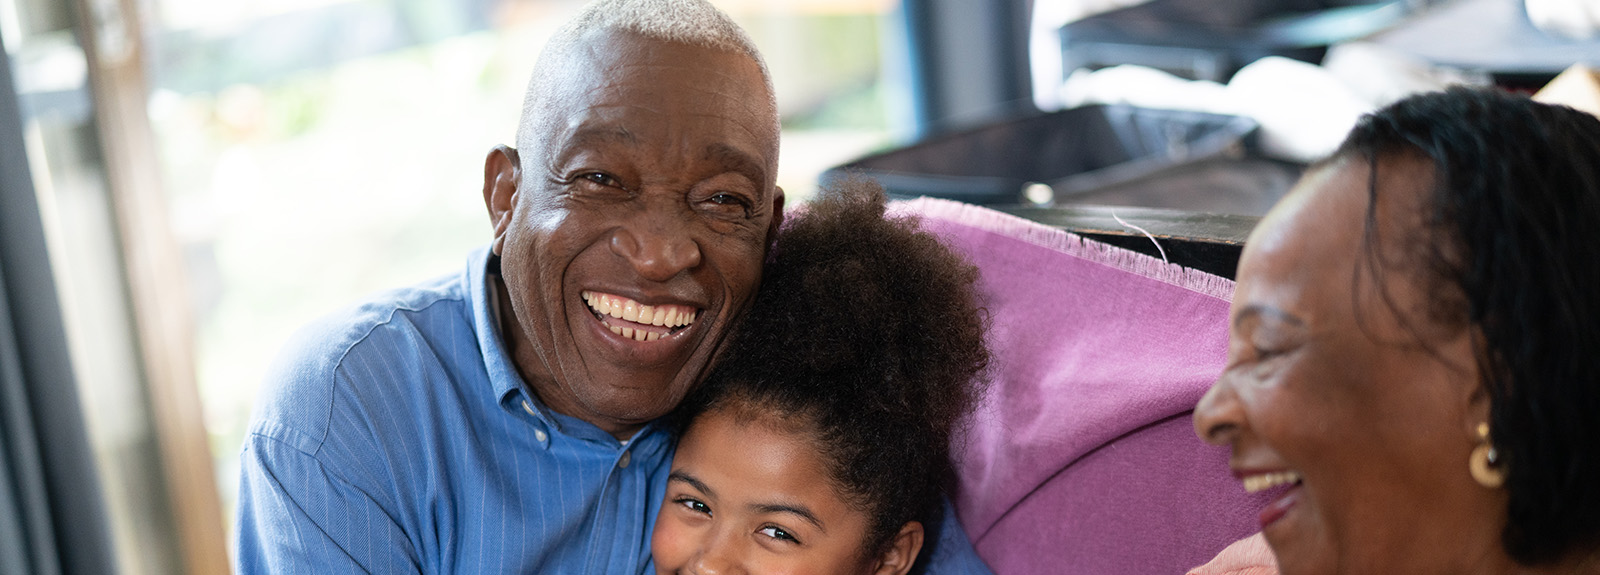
331,361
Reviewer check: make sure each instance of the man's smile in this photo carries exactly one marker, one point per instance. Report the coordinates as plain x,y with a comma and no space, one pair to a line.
638,321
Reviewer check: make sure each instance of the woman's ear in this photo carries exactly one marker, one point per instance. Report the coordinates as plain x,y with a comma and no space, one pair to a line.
502,172
902,550
1475,395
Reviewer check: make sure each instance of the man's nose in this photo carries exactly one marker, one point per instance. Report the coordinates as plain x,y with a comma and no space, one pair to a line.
658,244
1219,416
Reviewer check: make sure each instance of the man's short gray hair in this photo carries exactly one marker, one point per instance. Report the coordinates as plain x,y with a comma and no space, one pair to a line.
693,22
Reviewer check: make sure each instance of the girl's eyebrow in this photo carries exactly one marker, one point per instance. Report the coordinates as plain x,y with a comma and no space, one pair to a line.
795,510
762,508
684,477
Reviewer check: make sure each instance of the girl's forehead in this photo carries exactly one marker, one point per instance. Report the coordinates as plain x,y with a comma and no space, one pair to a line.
761,461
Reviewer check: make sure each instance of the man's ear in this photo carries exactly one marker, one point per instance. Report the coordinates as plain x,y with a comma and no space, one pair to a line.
777,214
502,171
902,552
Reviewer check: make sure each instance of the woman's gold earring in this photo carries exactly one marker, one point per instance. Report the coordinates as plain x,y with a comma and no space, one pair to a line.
1485,461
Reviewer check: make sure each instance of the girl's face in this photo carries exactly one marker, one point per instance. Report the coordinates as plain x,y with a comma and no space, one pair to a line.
746,496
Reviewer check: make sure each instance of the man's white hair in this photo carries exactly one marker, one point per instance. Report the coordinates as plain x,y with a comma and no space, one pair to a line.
693,22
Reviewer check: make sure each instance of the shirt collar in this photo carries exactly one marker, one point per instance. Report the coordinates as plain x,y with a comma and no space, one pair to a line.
483,269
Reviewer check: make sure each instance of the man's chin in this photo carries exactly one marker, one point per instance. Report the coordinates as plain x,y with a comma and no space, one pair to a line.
631,407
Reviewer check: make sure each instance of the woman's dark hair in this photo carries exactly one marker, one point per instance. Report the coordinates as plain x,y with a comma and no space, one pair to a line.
866,332
1513,236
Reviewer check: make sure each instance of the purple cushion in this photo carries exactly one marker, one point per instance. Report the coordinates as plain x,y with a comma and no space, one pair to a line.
1082,458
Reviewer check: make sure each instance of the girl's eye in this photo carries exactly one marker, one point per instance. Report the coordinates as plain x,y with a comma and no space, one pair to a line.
778,533
694,505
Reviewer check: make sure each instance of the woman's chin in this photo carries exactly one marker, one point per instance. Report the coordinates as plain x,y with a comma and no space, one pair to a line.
1297,548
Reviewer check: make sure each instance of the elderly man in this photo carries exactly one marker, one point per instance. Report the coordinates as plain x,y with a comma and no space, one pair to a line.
501,419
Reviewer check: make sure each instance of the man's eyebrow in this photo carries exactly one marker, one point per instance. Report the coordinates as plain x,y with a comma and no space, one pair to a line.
1263,310
684,477
602,134
738,161
795,510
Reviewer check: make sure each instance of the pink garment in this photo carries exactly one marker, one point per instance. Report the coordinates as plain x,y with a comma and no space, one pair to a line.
1082,458
1248,556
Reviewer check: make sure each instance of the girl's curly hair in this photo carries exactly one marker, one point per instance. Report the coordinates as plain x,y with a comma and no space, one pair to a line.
866,332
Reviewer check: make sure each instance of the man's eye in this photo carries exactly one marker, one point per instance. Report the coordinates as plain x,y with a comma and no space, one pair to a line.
728,200
778,533
602,179
694,505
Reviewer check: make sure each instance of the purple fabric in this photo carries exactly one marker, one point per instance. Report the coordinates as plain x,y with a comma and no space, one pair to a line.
1082,458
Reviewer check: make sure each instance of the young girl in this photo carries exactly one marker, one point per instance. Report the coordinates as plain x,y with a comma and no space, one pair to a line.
819,444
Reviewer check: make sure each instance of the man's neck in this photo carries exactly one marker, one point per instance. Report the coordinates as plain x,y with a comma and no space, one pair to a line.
525,358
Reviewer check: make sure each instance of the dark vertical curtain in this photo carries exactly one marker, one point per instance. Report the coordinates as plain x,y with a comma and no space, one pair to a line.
968,62
52,518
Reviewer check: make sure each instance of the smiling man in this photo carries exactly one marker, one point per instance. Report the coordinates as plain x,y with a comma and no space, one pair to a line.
632,228
503,419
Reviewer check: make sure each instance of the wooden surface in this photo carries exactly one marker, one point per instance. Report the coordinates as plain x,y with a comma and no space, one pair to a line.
112,36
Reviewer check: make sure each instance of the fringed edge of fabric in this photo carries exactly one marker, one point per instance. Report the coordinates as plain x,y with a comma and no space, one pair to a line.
1068,243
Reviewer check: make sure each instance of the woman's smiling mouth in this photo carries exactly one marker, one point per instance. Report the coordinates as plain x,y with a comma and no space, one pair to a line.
637,321
1287,486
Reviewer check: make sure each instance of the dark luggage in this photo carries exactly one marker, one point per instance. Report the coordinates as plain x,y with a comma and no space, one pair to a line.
1109,155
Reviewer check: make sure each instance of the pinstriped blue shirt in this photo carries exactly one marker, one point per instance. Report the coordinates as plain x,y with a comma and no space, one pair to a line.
397,437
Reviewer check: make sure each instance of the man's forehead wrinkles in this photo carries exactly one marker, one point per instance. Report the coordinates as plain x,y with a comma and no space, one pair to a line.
611,91
675,65
600,125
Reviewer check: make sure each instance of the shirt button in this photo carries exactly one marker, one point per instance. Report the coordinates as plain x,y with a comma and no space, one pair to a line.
528,407
539,435
627,457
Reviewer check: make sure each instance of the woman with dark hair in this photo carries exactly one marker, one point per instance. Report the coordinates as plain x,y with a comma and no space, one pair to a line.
820,444
1414,359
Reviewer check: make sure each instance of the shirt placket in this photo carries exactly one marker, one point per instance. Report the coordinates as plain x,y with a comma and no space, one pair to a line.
618,522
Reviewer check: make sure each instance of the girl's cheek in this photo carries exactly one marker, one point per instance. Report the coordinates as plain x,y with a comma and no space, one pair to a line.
671,543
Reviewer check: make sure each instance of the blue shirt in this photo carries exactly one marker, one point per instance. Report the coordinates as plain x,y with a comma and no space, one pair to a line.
397,437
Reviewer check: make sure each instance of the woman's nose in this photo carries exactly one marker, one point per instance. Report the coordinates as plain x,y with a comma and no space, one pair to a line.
1219,416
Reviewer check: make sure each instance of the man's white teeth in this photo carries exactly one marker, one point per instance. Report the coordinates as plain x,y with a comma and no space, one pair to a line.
670,316
635,334
1264,481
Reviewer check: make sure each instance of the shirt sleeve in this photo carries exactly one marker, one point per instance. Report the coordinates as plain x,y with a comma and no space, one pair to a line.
952,552
1248,556
297,516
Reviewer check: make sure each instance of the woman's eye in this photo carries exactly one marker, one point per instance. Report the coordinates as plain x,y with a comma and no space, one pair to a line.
1263,353
778,533
695,505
